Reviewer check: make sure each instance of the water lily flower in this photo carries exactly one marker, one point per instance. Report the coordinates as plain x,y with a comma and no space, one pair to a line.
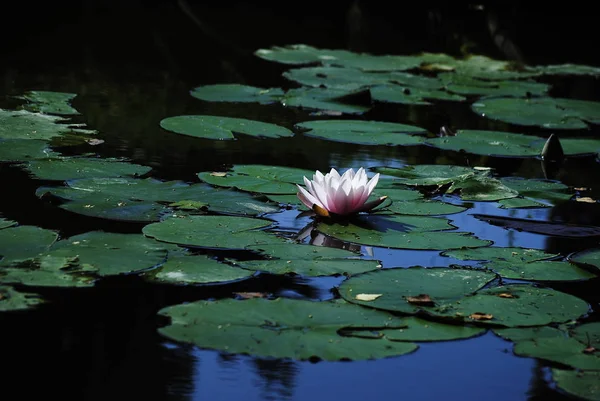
332,194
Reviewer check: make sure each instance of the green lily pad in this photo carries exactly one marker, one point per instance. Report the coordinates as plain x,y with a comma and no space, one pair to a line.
237,93
589,257
538,191
197,269
481,187
4,223
514,306
411,95
21,243
283,328
13,300
505,144
259,178
467,85
16,150
582,384
477,66
24,124
69,168
307,260
544,112
50,102
421,330
301,54
424,208
50,270
331,101
215,127
223,232
520,263
427,174
568,69
110,253
556,346
363,132
402,232
131,199
442,285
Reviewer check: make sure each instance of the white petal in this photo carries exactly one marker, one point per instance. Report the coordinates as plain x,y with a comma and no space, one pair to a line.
306,198
320,192
371,185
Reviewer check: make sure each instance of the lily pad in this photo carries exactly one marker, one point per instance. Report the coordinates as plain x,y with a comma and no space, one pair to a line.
569,69
24,124
197,269
363,132
427,174
507,144
544,112
467,85
111,253
13,300
541,226
411,95
301,54
589,257
402,232
582,384
259,178
556,346
50,102
4,223
69,168
400,286
16,150
21,243
329,101
237,93
50,270
301,251
420,330
424,208
544,191
477,66
520,263
222,128
283,328
223,232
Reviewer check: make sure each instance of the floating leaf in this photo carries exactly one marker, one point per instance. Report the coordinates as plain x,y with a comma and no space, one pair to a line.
68,168
215,127
467,85
311,267
410,95
544,112
237,93
548,192
396,285
50,102
197,269
283,328
23,124
300,251
13,300
260,178
585,385
589,257
16,150
424,208
112,254
327,100
21,243
363,132
568,69
4,223
425,330
520,263
427,174
301,54
225,232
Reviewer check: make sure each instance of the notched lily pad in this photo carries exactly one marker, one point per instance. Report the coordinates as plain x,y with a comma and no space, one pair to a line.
69,168
24,124
237,93
197,269
283,328
222,128
583,384
17,150
21,243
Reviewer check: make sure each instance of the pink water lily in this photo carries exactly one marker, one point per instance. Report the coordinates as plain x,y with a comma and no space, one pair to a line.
339,195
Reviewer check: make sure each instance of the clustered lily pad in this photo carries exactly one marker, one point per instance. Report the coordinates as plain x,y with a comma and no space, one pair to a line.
50,102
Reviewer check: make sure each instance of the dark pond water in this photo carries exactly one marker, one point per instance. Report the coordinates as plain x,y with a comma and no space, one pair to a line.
133,63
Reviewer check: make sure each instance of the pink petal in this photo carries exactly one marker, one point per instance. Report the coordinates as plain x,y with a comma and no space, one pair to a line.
306,198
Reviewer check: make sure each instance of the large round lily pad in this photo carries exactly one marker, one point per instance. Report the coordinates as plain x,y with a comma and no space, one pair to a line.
258,178
13,300
69,168
23,124
16,150
283,328
582,384
363,132
411,95
21,243
224,232
520,263
401,231
544,112
215,127
237,93
328,100
414,289
197,269
466,85
50,102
